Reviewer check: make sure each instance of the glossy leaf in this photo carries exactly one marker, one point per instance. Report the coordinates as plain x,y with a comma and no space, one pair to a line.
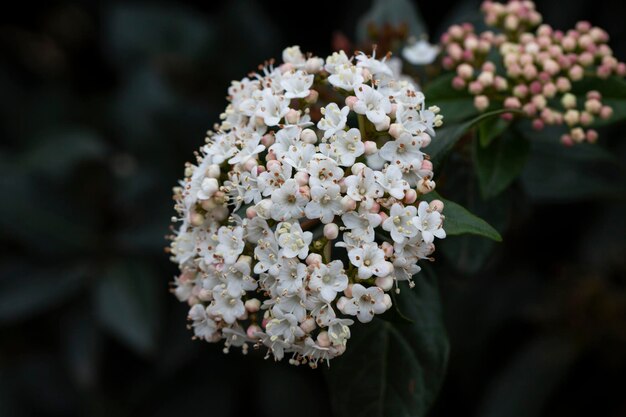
499,164
394,369
490,129
460,221
128,304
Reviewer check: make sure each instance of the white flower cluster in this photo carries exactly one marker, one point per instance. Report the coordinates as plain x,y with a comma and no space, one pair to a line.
314,161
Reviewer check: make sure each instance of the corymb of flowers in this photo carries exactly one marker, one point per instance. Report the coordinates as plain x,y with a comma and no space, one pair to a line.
303,208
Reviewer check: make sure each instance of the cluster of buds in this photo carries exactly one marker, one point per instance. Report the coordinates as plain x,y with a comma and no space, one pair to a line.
535,69
314,161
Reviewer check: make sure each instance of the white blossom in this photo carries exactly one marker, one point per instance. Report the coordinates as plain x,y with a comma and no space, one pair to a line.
347,77
225,305
334,119
370,260
371,103
420,52
296,84
365,303
429,223
402,222
293,241
328,280
325,203
288,202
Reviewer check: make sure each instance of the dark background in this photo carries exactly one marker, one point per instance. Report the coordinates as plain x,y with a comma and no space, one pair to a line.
100,106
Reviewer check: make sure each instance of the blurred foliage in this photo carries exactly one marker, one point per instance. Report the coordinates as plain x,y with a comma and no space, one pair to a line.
103,104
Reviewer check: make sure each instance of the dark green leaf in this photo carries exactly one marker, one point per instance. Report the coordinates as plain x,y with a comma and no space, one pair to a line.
500,163
26,291
449,135
392,12
490,129
128,304
558,173
394,369
456,106
460,221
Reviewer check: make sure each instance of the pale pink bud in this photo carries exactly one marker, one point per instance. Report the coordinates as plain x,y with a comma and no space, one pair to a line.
250,164
606,112
251,212
425,186
331,231
196,219
436,205
308,325
252,305
314,259
213,171
535,87
530,71
384,283
383,216
305,191
375,208
308,136
486,78
458,83
520,91
538,124
312,97
387,249
270,155
427,165
292,117
530,109
425,138
387,301
286,67
465,71
512,103
348,204
592,136
302,178
370,147
567,140
475,87
273,164
447,62
395,130
578,134
593,106
549,90
351,101
323,339
410,196
347,292
586,118
539,101
481,103
500,83
576,72
357,168
384,125
563,85
571,117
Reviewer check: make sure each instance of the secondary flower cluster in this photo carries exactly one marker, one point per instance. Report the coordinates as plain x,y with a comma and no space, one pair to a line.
314,161
538,65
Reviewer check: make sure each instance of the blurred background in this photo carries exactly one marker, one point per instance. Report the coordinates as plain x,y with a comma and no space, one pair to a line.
101,104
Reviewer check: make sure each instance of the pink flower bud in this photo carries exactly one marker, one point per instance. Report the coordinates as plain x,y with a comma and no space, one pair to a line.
538,124
481,102
465,71
549,90
563,85
331,231
387,249
383,216
196,219
387,301
447,62
458,83
586,118
286,67
410,196
252,330
273,164
436,205
370,147
302,178
308,136
530,109
486,78
375,208
425,138
578,135
252,305
251,212
270,155
308,325
351,101
323,339
250,164
606,112
384,125
567,140
348,204
576,72
312,97
535,87
384,283
347,292
305,191
395,130
592,136
475,87
314,259
512,103
292,117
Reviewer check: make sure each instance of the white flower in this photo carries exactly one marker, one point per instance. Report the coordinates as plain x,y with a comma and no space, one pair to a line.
230,244
290,277
287,202
208,188
285,138
293,55
274,178
272,108
370,260
363,186
337,59
334,119
328,280
401,222
404,151
320,309
296,84
420,53
345,147
361,224
299,155
339,331
293,241
323,171
365,303
376,67
429,223
203,326
226,306
371,103
266,254
325,203
249,150
292,304
347,77
238,279
283,325
392,181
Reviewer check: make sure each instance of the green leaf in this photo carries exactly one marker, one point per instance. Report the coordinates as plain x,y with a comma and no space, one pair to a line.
26,291
456,106
392,12
500,163
128,304
394,369
460,221
449,135
558,173
490,129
